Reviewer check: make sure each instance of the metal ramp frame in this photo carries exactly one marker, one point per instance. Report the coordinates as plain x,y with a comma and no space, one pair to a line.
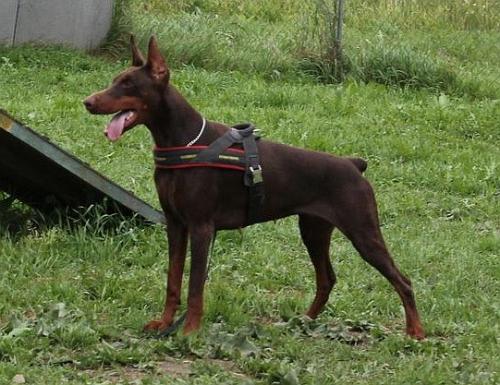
43,176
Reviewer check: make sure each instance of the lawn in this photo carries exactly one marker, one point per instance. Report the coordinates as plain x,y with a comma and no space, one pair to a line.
74,298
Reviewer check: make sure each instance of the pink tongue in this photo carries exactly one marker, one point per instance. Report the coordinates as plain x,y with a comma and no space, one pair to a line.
116,126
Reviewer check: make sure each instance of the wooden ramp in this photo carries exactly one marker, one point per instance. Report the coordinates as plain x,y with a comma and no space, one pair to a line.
42,175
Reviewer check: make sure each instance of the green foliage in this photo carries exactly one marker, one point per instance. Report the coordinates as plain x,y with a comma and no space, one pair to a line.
404,67
385,41
374,50
429,14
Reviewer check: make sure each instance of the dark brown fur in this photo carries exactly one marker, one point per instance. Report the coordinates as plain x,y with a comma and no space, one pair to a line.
325,191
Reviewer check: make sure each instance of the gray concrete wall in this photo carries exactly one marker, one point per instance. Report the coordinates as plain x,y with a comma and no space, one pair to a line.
77,23
8,11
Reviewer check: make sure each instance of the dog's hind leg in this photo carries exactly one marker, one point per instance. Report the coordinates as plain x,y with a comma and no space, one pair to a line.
316,234
358,220
177,244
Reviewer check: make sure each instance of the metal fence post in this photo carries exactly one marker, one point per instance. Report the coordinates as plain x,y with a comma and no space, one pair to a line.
338,41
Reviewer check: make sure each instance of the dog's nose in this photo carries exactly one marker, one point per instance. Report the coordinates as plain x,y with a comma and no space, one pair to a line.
89,103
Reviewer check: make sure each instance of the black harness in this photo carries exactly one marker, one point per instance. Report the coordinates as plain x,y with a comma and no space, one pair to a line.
221,154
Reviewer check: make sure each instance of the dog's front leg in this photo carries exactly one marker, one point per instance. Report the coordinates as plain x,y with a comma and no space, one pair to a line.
200,236
177,243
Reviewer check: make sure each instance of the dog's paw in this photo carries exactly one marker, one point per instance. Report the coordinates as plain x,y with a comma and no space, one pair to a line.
191,327
156,326
416,332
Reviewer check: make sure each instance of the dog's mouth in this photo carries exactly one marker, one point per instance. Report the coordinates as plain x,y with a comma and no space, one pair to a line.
120,123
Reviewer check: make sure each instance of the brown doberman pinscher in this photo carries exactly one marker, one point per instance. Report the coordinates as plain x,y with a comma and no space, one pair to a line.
325,191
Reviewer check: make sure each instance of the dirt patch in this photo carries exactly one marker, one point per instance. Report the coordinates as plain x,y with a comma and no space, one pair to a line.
172,367
117,376
134,374
183,368
229,367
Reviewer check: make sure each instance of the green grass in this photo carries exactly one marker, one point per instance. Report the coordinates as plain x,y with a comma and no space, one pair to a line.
411,44
73,299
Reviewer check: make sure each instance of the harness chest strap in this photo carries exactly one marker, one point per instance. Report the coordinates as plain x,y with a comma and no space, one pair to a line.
220,154
188,157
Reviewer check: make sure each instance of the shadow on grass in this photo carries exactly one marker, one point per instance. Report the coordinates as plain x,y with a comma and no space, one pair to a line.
18,220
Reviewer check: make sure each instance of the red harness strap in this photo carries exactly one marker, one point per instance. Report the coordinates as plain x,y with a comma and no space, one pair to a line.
182,157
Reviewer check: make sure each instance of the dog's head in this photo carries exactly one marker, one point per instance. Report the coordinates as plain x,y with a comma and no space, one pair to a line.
134,93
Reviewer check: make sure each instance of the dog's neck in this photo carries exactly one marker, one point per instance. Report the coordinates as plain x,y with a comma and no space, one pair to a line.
175,123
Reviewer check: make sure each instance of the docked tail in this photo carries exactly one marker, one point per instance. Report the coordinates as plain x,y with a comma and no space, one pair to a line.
360,164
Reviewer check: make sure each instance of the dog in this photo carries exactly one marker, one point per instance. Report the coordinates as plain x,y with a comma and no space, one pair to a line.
325,191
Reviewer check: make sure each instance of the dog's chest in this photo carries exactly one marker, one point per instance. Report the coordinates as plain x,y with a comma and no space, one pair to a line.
185,193
167,187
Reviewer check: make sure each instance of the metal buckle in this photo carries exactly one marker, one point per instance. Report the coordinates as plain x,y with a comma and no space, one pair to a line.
256,174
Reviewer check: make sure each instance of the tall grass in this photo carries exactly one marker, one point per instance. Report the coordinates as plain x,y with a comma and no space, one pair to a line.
215,43
270,11
456,14
293,37
395,65
273,38
428,14
382,46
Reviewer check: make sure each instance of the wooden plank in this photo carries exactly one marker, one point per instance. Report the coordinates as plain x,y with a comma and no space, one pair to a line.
43,175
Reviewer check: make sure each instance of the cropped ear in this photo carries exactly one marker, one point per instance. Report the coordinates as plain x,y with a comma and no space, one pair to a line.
156,63
137,58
